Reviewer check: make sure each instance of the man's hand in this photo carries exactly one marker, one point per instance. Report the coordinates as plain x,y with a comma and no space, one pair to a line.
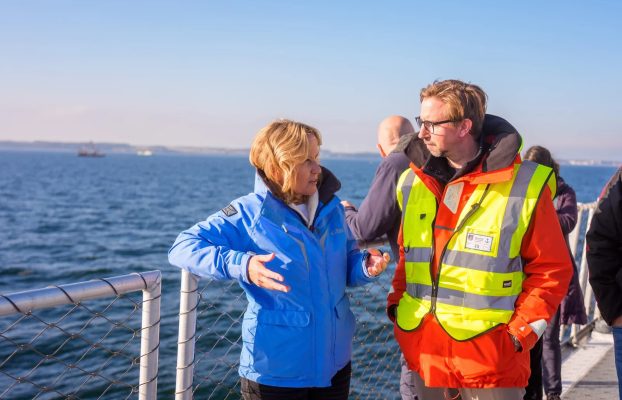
346,203
517,346
377,262
262,276
617,322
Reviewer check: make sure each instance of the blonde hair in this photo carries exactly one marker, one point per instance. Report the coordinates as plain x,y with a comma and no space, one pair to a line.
278,148
464,101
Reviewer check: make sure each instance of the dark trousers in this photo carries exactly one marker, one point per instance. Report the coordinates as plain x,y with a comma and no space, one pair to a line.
552,358
533,391
338,390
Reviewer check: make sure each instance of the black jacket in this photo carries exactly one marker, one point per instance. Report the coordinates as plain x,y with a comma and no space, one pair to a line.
379,213
604,250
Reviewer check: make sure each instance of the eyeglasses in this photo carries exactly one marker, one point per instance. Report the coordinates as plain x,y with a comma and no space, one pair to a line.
429,125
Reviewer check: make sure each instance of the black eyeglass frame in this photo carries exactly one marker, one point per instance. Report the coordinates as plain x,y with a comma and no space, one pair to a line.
429,125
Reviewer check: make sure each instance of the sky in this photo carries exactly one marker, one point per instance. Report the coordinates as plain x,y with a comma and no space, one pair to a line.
212,73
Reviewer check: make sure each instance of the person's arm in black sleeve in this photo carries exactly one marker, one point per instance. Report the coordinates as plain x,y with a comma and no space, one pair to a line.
379,210
604,253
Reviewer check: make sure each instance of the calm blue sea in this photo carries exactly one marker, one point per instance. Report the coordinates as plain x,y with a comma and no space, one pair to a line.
65,219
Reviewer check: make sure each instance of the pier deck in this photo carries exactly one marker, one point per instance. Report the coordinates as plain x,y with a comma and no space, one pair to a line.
588,372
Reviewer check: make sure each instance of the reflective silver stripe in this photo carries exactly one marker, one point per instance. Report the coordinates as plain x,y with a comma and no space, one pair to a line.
407,186
417,254
475,301
480,262
514,206
511,216
420,291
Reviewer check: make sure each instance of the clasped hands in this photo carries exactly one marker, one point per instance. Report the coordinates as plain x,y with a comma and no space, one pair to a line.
375,263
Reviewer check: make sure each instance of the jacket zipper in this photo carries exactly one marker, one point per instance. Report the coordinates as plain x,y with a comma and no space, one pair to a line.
437,279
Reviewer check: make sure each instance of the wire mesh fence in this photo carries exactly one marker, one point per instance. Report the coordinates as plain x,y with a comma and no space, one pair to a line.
211,371
573,334
208,358
75,342
86,340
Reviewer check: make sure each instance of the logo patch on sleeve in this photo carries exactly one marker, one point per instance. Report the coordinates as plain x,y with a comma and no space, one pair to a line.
229,210
507,284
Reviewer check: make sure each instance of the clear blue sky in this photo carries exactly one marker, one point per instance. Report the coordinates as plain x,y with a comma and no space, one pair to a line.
211,73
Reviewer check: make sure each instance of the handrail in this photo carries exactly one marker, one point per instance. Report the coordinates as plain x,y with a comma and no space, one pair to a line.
149,282
579,332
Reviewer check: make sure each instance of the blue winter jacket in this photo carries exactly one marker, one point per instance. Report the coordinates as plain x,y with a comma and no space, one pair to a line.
295,339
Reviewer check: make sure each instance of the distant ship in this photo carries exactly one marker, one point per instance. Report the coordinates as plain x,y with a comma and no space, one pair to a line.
89,151
144,153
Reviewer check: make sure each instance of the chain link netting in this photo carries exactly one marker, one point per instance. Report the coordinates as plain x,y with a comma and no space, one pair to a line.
376,357
89,349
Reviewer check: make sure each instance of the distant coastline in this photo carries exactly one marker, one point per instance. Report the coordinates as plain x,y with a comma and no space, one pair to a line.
124,148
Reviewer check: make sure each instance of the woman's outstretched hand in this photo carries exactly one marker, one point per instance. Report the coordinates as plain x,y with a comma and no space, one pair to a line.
377,262
262,276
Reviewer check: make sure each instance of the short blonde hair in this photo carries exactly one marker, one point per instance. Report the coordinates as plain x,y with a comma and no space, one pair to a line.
464,101
277,149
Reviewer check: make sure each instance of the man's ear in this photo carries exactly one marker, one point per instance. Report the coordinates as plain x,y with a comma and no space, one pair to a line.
465,127
382,153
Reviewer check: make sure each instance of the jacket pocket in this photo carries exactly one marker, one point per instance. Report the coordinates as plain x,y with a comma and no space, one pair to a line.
490,357
344,332
283,343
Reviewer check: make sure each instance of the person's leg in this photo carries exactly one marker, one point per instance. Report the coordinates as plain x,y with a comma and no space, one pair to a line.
339,388
407,385
492,394
552,358
533,391
428,393
255,391
617,343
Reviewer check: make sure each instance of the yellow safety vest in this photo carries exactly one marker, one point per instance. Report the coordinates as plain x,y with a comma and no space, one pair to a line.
481,272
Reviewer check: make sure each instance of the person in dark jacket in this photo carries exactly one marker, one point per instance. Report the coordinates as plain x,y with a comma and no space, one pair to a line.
379,214
604,259
290,249
546,362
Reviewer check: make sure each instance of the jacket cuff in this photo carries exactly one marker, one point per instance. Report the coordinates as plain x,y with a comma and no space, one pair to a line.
524,334
238,266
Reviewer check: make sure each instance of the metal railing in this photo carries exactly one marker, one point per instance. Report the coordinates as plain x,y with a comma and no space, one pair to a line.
65,341
208,355
72,332
573,334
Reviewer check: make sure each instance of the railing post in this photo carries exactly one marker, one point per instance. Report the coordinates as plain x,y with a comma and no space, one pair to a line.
188,302
150,342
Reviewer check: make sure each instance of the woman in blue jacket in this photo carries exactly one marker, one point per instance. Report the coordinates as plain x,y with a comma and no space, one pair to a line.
288,245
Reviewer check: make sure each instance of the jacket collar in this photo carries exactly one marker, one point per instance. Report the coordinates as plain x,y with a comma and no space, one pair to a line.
500,145
327,186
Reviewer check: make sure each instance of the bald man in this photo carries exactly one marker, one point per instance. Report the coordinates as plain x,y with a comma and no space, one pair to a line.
379,214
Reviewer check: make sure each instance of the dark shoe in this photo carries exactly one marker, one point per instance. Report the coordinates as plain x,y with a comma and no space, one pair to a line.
553,397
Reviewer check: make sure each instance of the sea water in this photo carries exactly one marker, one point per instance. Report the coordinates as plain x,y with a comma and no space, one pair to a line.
66,219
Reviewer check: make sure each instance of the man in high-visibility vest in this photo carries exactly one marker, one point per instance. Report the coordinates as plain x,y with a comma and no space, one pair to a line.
483,263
